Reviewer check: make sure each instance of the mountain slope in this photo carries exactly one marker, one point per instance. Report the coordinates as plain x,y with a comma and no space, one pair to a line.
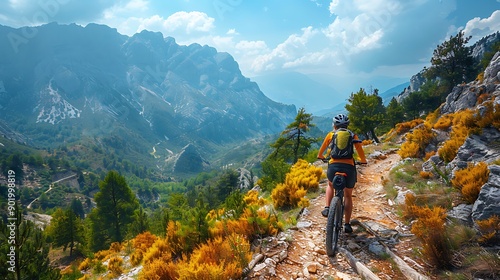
68,84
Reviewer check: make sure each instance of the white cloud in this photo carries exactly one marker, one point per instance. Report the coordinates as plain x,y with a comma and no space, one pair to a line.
137,5
371,41
333,6
181,25
378,6
153,23
352,8
18,4
292,48
232,32
360,24
308,59
189,22
219,42
479,28
354,36
131,7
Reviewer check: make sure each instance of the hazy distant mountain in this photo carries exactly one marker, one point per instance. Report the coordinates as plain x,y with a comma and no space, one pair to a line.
298,89
64,83
393,92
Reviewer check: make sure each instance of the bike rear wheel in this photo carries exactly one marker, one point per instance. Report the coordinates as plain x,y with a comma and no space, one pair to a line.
333,226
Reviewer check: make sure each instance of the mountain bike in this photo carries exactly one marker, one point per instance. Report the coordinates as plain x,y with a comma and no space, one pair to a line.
334,223
335,214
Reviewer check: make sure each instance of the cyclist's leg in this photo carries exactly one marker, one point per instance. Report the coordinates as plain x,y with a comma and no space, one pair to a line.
329,194
351,182
330,173
348,204
328,199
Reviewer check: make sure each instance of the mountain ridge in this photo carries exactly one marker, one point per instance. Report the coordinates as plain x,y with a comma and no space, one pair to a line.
68,82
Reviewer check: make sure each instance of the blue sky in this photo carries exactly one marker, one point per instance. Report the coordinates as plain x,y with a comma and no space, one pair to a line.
347,42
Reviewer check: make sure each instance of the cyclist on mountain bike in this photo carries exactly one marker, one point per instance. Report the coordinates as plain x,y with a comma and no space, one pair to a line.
345,165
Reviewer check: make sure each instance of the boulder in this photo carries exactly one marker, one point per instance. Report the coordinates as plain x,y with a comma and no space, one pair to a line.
433,164
401,197
462,213
478,148
488,202
492,72
461,97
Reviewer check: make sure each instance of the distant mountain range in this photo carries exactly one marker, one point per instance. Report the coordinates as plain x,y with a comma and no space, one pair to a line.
67,84
298,89
313,91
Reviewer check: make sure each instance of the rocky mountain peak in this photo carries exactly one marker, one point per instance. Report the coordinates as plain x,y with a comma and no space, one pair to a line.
98,81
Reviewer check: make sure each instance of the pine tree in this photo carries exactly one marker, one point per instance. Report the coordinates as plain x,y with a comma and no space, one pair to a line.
366,112
31,251
140,223
178,206
77,207
66,229
116,204
395,113
293,142
452,62
159,221
226,184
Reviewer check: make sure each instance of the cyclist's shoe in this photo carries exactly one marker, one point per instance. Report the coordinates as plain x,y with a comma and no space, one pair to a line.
347,228
325,211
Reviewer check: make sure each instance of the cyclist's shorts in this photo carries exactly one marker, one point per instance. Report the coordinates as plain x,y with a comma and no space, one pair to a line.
350,170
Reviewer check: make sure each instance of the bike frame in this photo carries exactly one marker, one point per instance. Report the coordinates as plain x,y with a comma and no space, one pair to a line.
335,217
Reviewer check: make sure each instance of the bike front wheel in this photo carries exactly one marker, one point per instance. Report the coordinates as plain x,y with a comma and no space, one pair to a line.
333,226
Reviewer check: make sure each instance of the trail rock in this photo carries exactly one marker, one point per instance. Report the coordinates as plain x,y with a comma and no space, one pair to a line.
433,163
376,248
400,198
462,213
312,267
377,155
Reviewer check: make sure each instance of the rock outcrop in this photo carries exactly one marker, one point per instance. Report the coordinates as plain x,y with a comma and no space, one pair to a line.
483,147
488,202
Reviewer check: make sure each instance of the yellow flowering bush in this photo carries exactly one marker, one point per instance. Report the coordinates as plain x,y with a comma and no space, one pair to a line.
301,178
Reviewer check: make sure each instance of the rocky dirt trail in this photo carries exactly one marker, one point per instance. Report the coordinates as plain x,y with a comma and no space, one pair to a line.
307,259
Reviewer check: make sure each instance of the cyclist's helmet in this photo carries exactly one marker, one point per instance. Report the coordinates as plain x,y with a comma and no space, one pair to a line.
341,120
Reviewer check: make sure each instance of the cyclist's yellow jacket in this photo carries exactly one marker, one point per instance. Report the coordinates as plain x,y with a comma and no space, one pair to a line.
358,146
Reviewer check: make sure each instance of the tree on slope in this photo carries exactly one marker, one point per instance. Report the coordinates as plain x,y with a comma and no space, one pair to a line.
366,112
293,142
116,204
395,113
66,228
452,62
30,249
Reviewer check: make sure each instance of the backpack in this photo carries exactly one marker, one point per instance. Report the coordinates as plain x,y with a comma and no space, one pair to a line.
342,146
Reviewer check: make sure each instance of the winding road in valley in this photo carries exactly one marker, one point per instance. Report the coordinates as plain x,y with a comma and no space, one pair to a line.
51,187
